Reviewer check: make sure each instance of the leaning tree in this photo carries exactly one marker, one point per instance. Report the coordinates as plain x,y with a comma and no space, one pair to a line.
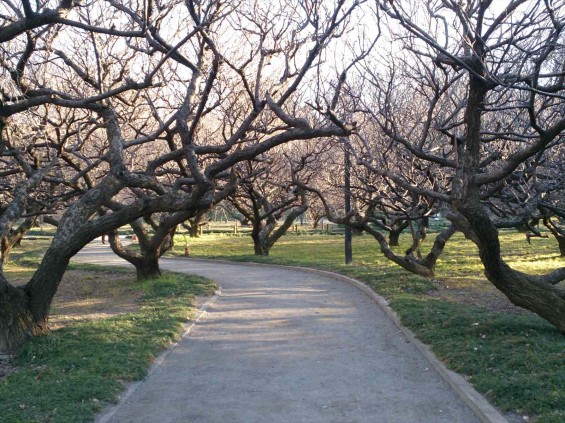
491,77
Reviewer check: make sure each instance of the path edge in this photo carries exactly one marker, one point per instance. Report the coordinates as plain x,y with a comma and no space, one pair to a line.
109,411
484,410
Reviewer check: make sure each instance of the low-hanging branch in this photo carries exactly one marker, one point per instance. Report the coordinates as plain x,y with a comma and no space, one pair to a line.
423,267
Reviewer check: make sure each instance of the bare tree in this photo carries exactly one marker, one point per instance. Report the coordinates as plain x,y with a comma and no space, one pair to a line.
533,195
268,196
208,103
380,207
491,77
152,245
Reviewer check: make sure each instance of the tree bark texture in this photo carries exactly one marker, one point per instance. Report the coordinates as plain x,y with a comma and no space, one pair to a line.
152,246
396,231
260,235
147,267
539,294
265,236
14,238
146,262
194,225
16,320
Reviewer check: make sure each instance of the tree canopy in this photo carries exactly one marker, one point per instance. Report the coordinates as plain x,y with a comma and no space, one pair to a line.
116,111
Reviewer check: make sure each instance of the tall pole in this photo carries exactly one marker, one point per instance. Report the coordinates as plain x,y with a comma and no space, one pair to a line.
347,193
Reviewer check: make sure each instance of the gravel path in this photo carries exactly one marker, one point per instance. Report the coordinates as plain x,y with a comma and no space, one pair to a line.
283,345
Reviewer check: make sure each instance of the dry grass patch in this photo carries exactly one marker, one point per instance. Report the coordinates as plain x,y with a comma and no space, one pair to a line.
82,297
478,296
86,295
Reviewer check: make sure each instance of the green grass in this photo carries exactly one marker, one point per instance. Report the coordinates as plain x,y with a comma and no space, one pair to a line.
30,251
516,359
68,375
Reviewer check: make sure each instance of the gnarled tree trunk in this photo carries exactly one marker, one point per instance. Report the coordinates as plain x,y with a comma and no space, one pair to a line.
194,225
260,236
394,234
147,267
539,294
152,247
146,262
16,319
24,311
260,248
264,237
14,238
5,250
423,267
418,236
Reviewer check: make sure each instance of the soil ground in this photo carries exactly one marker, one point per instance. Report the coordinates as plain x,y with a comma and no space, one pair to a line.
480,294
86,295
83,295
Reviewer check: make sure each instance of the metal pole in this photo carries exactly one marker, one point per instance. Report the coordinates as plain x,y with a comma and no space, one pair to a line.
347,192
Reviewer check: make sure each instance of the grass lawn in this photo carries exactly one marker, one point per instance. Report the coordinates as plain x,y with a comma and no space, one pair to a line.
107,330
513,357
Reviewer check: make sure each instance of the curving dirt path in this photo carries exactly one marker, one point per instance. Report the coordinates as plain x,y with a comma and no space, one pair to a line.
283,345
